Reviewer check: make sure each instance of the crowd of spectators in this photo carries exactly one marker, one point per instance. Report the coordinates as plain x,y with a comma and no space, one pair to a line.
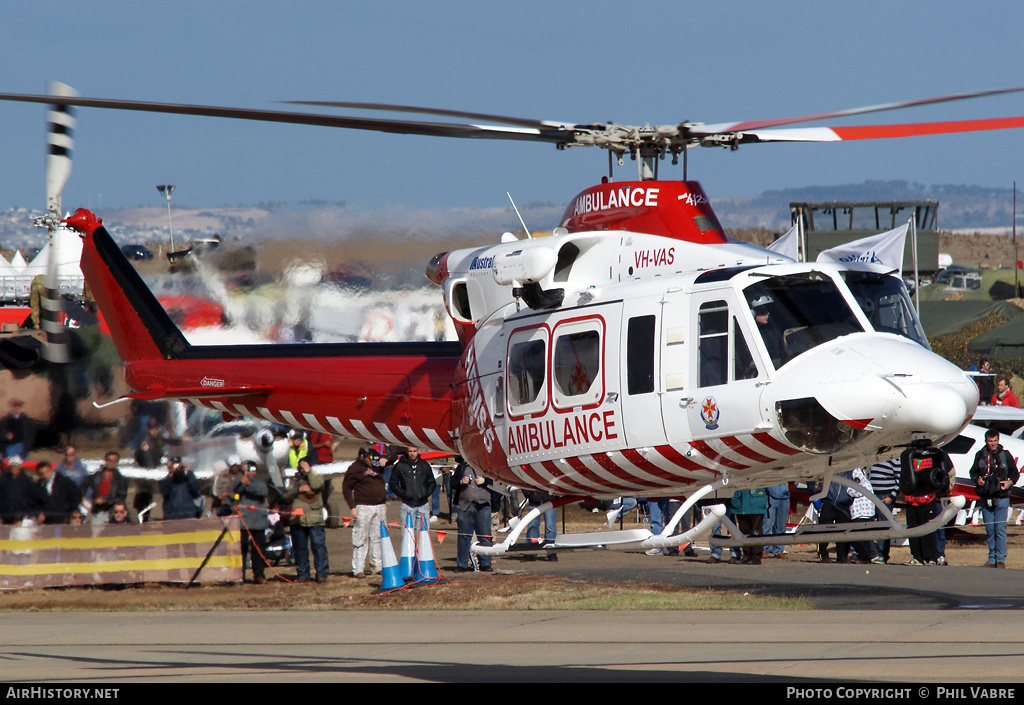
41,492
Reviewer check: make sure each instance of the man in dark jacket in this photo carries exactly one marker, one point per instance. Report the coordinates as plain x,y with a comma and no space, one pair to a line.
105,487
19,431
20,495
151,447
994,472
249,497
180,490
363,488
62,494
412,481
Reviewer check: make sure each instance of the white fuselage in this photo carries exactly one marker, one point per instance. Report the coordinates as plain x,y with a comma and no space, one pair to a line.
653,376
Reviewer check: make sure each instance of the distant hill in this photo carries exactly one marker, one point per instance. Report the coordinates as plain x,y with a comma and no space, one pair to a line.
961,207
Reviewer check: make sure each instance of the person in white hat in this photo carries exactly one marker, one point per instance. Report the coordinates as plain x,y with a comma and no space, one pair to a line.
224,482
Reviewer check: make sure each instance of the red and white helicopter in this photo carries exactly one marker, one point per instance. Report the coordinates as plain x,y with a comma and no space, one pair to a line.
619,356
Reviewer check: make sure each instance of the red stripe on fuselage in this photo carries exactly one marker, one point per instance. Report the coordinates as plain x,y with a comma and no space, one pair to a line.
775,444
716,457
674,456
561,478
649,467
737,445
578,465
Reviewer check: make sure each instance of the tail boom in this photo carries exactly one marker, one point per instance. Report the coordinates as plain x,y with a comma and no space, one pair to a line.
393,392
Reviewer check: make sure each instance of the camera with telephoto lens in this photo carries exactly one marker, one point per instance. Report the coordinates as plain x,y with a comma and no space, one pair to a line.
990,485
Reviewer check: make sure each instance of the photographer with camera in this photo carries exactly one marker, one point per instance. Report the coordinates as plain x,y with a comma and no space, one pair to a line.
307,522
249,499
994,472
181,491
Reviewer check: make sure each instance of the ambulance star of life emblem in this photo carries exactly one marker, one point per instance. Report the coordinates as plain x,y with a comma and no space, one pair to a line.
709,413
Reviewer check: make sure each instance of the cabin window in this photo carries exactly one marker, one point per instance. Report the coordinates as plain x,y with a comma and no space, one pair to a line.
526,373
567,255
713,343
706,223
460,301
886,302
640,355
804,311
576,364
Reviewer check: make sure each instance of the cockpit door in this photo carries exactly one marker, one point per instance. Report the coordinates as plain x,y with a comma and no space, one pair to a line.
726,372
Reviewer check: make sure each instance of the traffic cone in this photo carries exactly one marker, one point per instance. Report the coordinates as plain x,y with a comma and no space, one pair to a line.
389,569
406,564
426,568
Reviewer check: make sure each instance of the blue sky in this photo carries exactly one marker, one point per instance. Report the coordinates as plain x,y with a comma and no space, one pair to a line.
637,62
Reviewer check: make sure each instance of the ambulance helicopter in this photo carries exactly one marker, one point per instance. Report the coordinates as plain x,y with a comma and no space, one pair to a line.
637,350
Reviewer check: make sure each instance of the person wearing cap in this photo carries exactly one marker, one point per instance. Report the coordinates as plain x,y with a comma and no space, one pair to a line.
19,431
298,447
760,308
104,488
249,499
180,490
223,486
307,522
149,452
363,488
20,496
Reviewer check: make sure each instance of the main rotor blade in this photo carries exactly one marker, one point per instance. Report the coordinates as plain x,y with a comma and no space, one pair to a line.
60,142
726,127
408,127
523,122
872,132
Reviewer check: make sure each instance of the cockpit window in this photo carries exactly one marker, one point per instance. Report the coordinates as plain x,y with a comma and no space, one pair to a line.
886,303
797,312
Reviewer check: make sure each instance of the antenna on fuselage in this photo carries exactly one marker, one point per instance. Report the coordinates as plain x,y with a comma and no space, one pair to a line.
528,235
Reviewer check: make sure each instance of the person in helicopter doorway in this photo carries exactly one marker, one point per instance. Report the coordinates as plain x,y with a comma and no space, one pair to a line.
760,309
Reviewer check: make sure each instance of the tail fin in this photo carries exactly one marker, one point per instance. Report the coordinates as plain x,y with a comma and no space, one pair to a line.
140,327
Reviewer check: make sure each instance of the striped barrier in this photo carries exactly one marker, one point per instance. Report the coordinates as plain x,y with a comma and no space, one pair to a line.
97,554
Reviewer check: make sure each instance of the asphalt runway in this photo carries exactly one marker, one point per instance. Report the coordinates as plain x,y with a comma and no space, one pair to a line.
104,650
827,586
871,623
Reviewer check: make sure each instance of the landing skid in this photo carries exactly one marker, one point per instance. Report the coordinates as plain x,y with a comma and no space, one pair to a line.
885,527
622,540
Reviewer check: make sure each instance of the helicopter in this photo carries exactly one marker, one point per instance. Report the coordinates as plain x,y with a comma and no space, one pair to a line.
637,350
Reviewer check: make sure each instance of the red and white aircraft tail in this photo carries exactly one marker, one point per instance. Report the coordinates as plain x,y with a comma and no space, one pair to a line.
393,392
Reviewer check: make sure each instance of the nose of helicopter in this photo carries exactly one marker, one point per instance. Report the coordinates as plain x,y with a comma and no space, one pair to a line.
937,410
882,384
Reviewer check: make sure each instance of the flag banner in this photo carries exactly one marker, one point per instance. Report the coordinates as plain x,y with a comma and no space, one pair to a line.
885,248
97,554
787,244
